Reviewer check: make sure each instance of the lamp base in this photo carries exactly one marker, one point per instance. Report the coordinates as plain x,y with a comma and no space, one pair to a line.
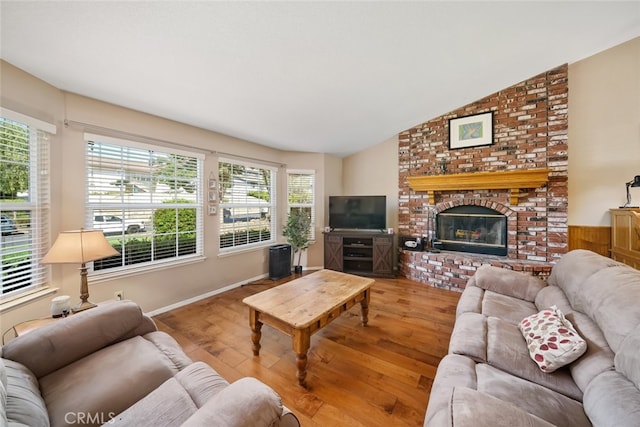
84,305
629,207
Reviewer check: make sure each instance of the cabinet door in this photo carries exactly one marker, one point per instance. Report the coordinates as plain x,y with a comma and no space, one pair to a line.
333,259
383,255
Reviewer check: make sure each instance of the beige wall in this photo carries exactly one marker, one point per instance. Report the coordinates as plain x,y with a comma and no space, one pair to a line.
154,289
375,172
604,133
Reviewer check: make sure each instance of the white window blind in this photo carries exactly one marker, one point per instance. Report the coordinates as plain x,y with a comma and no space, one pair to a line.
147,200
24,202
247,203
301,195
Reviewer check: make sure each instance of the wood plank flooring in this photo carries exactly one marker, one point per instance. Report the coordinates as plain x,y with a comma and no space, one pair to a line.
378,375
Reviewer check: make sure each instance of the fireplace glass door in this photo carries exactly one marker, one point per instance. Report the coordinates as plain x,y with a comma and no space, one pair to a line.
474,229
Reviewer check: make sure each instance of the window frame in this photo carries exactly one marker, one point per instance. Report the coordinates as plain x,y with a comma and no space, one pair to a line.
36,239
311,205
155,262
271,205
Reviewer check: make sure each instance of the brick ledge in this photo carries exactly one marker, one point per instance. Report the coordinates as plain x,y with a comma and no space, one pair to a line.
451,270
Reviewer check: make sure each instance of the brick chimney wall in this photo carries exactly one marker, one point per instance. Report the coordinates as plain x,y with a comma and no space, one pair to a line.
530,132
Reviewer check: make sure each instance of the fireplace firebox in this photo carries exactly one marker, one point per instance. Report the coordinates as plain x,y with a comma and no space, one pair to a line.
475,229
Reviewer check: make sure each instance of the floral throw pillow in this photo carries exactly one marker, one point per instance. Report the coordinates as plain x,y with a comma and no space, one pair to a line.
552,340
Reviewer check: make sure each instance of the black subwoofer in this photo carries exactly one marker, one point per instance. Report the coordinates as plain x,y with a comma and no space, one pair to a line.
279,261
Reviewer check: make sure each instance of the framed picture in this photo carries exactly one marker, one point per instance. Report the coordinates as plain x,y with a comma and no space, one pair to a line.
471,131
212,195
213,184
213,209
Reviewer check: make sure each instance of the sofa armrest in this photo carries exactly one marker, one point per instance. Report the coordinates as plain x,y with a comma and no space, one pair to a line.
289,419
60,343
508,282
246,402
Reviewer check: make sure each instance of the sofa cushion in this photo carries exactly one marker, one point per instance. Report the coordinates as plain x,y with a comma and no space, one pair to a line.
108,381
176,399
598,358
470,408
469,336
535,399
507,308
551,339
500,344
460,371
25,405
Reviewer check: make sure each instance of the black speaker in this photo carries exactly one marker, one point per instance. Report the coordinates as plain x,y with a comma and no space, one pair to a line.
279,261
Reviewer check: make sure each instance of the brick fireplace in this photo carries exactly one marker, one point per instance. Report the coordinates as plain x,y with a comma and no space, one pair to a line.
521,176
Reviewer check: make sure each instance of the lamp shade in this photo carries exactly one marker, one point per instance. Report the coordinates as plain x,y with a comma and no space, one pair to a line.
79,247
635,182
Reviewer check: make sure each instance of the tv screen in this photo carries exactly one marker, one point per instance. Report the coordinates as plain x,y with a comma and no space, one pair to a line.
358,212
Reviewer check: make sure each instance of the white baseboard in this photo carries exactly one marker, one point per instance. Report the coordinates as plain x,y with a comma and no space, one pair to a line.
203,296
212,293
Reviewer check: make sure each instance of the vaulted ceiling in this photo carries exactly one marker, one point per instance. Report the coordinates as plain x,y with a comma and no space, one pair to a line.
319,76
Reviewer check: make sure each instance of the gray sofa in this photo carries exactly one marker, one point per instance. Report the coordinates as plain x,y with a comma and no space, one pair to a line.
489,378
110,365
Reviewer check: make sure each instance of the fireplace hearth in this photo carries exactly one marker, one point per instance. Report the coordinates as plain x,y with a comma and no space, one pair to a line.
473,229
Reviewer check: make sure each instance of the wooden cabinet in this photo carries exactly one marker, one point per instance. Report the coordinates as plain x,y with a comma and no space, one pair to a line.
362,253
625,236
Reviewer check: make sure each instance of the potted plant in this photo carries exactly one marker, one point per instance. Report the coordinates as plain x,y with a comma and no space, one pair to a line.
297,233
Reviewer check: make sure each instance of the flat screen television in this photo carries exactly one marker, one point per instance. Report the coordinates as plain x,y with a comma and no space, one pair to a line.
358,212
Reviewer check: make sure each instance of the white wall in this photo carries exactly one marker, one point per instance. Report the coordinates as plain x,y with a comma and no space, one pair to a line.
604,133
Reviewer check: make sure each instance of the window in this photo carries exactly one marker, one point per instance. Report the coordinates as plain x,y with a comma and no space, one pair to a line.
24,197
301,195
147,200
247,204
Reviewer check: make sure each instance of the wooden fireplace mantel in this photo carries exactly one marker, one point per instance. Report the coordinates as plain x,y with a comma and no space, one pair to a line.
512,180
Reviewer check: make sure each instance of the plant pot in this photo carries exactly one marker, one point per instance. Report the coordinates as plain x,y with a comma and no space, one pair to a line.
297,269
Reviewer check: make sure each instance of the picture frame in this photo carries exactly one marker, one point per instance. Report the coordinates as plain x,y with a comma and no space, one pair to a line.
213,184
213,210
471,131
212,195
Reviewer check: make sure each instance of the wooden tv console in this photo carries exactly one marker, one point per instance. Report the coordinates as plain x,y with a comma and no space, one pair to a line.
359,252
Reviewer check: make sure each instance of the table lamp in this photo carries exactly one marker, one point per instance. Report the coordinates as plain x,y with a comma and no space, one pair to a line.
635,182
79,247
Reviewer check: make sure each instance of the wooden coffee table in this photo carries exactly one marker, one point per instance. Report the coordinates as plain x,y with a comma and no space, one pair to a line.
303,306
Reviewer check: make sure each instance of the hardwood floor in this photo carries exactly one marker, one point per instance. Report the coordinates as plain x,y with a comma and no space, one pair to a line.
378,375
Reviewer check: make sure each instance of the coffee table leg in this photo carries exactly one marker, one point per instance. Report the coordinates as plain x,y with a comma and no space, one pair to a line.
301,344
364,304
256,327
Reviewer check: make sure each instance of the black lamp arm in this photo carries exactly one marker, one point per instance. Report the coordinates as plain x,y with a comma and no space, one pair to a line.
635,182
